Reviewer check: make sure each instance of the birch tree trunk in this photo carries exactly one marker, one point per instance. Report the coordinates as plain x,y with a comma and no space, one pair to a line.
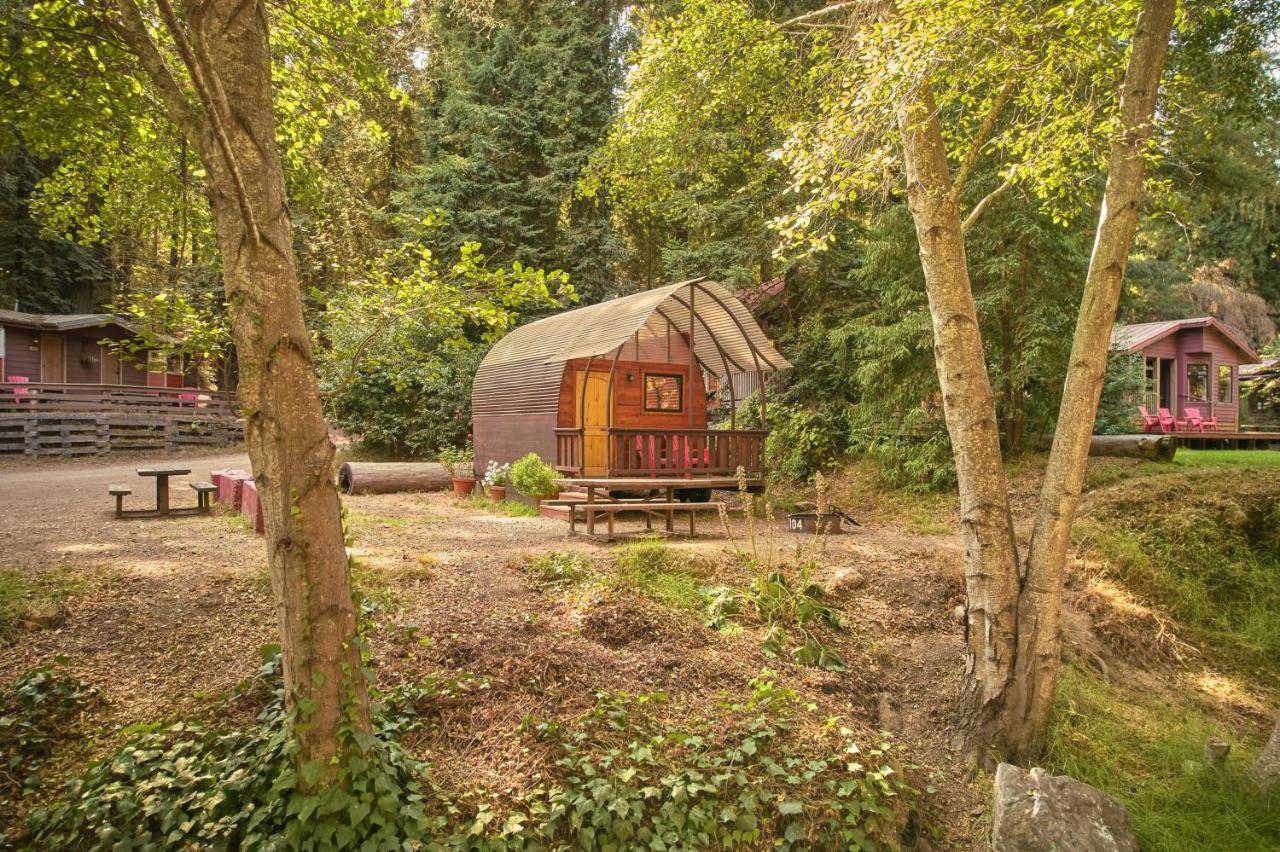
1038,659
986,527
224,45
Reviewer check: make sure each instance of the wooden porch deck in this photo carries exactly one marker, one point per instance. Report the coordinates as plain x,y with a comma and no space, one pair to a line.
1227,440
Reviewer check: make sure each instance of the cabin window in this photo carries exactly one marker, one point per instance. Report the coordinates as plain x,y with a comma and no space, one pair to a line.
1198,382
1225,381
663,392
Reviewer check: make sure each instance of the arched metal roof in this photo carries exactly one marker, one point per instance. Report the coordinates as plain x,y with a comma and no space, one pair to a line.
522,373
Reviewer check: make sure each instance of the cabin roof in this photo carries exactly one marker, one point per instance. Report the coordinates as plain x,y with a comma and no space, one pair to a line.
522,372
1135,336
63,322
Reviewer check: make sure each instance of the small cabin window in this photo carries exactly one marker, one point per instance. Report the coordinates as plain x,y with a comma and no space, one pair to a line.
1225,381
663,392
1198,382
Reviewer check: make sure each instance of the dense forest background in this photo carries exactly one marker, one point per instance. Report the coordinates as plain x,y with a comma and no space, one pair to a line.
623,147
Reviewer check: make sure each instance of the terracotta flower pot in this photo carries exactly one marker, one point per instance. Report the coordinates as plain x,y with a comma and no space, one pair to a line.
463,486
497,493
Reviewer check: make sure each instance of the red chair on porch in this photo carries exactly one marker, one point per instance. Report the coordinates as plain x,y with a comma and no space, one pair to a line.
1167,421
19,393
1195,421
1150,422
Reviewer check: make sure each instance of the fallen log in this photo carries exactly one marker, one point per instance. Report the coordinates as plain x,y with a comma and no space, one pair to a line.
1152,447
387,477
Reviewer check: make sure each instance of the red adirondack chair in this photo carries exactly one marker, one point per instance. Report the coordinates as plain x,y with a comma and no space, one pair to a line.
1167,421
21,394
1195,421
1150,422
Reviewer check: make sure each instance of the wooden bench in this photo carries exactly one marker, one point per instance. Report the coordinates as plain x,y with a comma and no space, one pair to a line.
119,492
668,510
203,490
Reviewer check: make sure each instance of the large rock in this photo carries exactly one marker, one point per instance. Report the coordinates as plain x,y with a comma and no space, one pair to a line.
1039,812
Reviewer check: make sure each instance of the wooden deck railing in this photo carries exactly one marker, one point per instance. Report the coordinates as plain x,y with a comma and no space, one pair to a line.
569,451
49,397
669,452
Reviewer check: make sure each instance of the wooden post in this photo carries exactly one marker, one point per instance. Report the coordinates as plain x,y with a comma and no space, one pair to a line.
688,391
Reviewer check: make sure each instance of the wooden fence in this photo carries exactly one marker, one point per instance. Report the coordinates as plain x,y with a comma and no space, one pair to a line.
66,420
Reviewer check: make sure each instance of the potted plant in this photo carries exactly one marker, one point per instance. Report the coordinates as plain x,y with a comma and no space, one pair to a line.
534,478
495,480
460,461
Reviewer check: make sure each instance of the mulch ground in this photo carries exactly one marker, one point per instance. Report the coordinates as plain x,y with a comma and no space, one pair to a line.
166,617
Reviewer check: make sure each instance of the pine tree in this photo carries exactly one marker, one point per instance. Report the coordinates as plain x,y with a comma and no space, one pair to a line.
510,113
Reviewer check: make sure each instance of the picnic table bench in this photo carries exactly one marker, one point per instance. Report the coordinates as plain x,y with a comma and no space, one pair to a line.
162,509
599,502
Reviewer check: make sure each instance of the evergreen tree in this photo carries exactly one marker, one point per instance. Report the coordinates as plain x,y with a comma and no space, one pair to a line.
40,273
509,115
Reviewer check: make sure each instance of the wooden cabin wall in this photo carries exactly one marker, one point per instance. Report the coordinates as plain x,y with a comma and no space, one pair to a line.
507,437
628,396
22,353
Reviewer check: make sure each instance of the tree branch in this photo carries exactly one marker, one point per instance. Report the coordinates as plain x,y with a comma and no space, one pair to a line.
980,139
981,206
132,29
821,13
196,68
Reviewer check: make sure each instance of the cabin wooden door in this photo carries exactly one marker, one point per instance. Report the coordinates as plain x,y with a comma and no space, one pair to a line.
594,417
110,362
53,358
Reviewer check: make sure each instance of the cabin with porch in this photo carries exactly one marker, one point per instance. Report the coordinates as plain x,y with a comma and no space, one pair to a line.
621,389
65,390
1189,362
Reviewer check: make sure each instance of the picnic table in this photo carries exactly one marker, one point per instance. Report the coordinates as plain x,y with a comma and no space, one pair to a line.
162,474
664,504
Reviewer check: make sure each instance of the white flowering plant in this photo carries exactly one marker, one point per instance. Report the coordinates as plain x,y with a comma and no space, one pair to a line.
496,474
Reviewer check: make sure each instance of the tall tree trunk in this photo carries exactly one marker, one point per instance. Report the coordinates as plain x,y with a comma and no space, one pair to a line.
225,42
1039,611
990,549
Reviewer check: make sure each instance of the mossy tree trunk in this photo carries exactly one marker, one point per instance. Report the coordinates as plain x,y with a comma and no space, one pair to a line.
224,47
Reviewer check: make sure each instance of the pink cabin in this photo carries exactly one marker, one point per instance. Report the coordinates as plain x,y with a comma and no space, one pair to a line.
1190,363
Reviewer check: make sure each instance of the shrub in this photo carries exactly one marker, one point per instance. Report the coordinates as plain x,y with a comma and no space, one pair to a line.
189,786
533,477
745,778
41,707
1122,392
409,411
459,461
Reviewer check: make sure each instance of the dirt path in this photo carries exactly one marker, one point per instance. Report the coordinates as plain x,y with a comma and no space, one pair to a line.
166,616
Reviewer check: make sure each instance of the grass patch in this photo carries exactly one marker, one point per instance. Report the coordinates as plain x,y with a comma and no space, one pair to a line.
1206,548
510,508
649,567
1104,472
557,568
20,596
14,602
1148,754
369,519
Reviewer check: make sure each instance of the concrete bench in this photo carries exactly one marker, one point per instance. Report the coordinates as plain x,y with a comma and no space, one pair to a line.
609,510
119,492
203,490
